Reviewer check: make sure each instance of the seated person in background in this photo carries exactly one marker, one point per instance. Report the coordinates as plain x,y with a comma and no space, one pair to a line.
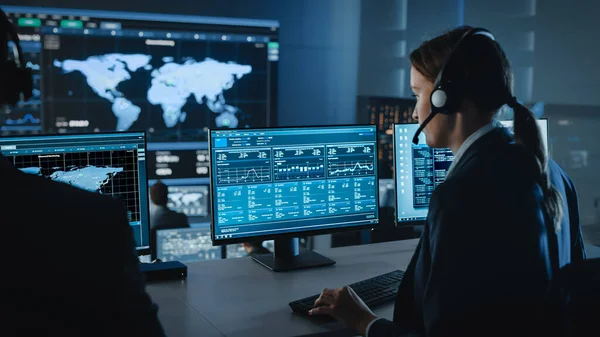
255,248
162,217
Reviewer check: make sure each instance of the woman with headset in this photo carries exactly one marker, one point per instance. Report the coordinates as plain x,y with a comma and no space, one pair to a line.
505,219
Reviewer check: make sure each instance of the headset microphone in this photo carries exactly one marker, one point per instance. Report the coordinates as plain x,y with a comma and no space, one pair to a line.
422,127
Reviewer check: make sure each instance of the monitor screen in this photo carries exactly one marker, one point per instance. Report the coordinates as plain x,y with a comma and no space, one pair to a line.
419,169
189,200
187,197
113,164
186,244
269,182
173,76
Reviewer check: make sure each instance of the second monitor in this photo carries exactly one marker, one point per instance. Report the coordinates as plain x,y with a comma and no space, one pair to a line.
280,183
112,164
419,169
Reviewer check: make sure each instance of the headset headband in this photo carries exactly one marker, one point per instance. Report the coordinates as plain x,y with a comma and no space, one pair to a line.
471,32
444,97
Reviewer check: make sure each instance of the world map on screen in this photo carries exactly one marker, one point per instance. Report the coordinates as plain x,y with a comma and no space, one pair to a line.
171,85
90,178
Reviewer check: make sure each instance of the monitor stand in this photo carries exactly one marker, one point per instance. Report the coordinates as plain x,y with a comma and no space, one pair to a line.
288,257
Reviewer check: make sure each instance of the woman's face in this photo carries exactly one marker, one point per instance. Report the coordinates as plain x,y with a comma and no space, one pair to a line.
436,131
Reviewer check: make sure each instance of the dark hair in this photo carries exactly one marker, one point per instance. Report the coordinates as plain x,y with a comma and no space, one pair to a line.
159,193
483,72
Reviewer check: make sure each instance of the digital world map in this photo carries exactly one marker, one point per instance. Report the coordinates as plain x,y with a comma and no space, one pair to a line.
90,178
185,199
171,85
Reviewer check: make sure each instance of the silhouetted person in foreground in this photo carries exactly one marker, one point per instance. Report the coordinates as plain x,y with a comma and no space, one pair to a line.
69,262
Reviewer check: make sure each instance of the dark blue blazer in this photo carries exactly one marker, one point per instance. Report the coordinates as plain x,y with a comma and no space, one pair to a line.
483,263
69,263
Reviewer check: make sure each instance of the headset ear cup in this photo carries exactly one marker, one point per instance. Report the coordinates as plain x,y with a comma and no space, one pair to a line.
439,98
24,83
11,83
450,97
20,81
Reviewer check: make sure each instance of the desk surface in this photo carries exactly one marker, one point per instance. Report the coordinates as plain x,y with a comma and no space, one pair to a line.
239,297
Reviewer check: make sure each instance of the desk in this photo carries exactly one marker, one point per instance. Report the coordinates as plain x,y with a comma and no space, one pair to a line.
179,319
239,297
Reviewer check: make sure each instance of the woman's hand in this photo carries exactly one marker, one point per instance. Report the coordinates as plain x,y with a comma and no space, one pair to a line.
344,305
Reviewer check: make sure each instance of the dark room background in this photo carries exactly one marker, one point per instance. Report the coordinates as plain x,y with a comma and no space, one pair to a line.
333,50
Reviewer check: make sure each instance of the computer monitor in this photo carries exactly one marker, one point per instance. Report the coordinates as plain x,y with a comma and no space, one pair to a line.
281,183
186,244
419,169
190,199
172,76
106,163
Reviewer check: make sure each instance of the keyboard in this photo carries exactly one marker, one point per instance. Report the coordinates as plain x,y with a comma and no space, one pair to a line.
376,291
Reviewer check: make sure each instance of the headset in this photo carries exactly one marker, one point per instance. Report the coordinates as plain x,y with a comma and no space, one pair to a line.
16,82
446,96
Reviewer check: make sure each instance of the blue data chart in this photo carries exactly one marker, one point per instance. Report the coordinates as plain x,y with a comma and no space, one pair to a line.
243,166
299,163
351,160
282,180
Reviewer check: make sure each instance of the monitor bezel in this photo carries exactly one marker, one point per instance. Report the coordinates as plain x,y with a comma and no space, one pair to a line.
145,16
141,251
422,222
223,242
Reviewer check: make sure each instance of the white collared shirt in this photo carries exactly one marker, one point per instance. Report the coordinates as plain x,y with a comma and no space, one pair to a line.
469,141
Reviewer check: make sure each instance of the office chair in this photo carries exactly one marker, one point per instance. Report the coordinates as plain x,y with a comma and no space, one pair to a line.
575,300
